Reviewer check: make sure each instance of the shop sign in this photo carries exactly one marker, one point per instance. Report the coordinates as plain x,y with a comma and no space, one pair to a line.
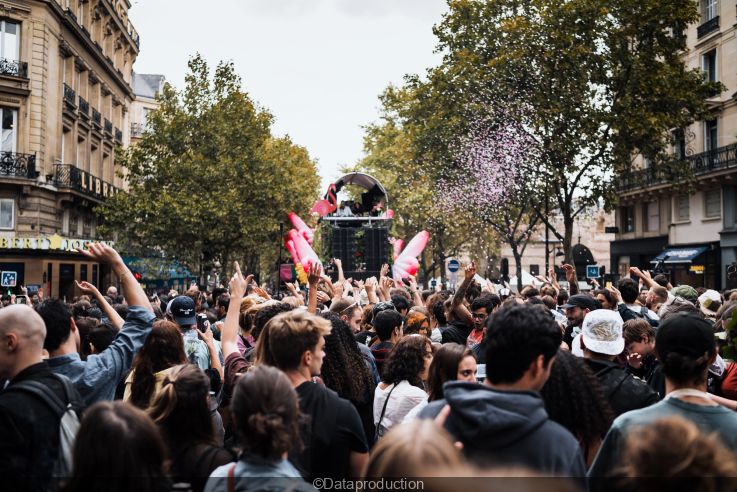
697,269
50,243
8,279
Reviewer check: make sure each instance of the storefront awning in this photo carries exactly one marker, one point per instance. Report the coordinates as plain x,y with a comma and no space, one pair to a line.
158,269
679,255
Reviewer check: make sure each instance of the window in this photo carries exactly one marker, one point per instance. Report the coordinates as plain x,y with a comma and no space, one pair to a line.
682,207
652,218
679,145
80,13
628,219
9,44
710,135
9,121
709,9
709,65
712,204
7,213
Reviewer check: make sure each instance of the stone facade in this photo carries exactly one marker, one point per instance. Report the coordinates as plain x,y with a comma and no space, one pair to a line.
65,92
653,217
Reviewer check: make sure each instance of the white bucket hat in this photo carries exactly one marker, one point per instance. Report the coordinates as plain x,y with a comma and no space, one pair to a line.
602,332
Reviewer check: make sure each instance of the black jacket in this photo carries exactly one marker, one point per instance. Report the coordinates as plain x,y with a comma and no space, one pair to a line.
623,391
29,432
507,428
455,332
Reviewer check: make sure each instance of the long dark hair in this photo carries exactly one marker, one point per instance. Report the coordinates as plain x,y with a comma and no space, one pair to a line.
444,367
574,398
407,360
265,412
164,348
118,449
344,369
181,408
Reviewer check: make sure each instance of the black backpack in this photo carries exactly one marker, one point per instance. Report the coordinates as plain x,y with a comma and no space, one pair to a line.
69,416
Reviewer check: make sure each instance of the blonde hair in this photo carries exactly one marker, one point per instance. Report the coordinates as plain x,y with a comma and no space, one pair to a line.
414,449
674,447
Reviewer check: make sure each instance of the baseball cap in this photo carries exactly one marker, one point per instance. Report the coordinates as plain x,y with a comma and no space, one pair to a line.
602,332
686,334
580,300
687,292
182,309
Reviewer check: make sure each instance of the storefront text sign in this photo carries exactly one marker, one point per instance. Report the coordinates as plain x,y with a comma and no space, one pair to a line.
54,243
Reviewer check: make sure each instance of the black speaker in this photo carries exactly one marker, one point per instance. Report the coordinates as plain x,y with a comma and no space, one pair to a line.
362,250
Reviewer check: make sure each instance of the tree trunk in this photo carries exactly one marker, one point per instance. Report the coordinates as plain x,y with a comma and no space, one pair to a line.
568,238
517,264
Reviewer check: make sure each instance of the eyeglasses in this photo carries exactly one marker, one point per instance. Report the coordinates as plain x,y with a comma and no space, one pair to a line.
478,316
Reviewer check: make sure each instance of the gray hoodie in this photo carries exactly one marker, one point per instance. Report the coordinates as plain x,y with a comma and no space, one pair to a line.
508,428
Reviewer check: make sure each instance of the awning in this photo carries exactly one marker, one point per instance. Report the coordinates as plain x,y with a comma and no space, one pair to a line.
679,255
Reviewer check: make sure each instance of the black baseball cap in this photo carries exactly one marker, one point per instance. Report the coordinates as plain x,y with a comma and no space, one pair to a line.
182,309
581,300
686,334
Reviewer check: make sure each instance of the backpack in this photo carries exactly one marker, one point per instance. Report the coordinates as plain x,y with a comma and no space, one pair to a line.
642,314
68,415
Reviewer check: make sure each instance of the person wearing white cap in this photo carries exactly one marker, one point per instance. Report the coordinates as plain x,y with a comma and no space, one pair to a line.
603,342
710,302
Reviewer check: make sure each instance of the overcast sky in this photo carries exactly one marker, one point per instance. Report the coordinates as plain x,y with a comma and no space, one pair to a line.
317,65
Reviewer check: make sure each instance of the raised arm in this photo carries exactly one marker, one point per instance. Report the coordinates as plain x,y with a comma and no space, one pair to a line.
132,291
370,287
209,340
313,278
646,279
416,297
229,333
112,314
339,265
460,310
571,278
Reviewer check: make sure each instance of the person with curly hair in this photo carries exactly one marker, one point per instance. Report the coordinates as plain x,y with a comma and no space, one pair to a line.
266,413
574,398
161,352
402,385
344,371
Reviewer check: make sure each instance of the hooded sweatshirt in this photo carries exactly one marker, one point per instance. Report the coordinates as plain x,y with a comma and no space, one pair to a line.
507,428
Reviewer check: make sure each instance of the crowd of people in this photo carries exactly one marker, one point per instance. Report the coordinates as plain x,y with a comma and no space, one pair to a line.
239,389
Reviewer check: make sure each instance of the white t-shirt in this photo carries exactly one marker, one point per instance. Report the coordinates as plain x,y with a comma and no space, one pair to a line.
403,399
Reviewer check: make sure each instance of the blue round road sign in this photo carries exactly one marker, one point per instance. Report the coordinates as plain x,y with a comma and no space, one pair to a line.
454,265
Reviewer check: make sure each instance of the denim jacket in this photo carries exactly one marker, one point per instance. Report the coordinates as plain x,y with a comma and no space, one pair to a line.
98,376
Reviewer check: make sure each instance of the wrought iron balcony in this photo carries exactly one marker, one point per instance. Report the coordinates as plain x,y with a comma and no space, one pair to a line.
699,164
707,27
70,97
18,165
84,107
13,68
118,136
137,129
96,118
70,176
108,126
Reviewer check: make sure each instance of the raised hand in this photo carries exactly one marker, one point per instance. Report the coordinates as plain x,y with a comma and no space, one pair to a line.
238,284
470,271
314,275
87,288
102,253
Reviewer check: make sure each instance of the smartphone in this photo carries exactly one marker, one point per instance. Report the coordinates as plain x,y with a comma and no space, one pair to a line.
201,318
609,285
480,372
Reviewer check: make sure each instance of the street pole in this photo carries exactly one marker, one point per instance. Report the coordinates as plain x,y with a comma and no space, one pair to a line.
278,265
547,229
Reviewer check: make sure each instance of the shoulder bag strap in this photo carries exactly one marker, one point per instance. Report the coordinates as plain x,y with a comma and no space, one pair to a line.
383,411
42,392
231,477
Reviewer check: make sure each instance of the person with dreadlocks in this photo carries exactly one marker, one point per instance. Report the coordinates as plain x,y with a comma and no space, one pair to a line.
345,372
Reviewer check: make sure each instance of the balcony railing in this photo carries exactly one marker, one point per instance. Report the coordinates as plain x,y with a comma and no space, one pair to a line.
96,118
699,164
70,176
137,129
84,107
707,27
118,136
18,165
70,96
13,68
108,126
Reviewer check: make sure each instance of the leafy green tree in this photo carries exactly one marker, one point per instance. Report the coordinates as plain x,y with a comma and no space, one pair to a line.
597,82
208,181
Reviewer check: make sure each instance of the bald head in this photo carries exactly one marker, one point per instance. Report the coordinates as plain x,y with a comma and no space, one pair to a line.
24,321
22,334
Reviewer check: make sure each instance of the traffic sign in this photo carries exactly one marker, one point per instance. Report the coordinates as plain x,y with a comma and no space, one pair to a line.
8,279
454,265
593,271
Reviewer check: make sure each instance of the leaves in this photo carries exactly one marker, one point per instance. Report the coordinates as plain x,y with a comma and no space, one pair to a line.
208,181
